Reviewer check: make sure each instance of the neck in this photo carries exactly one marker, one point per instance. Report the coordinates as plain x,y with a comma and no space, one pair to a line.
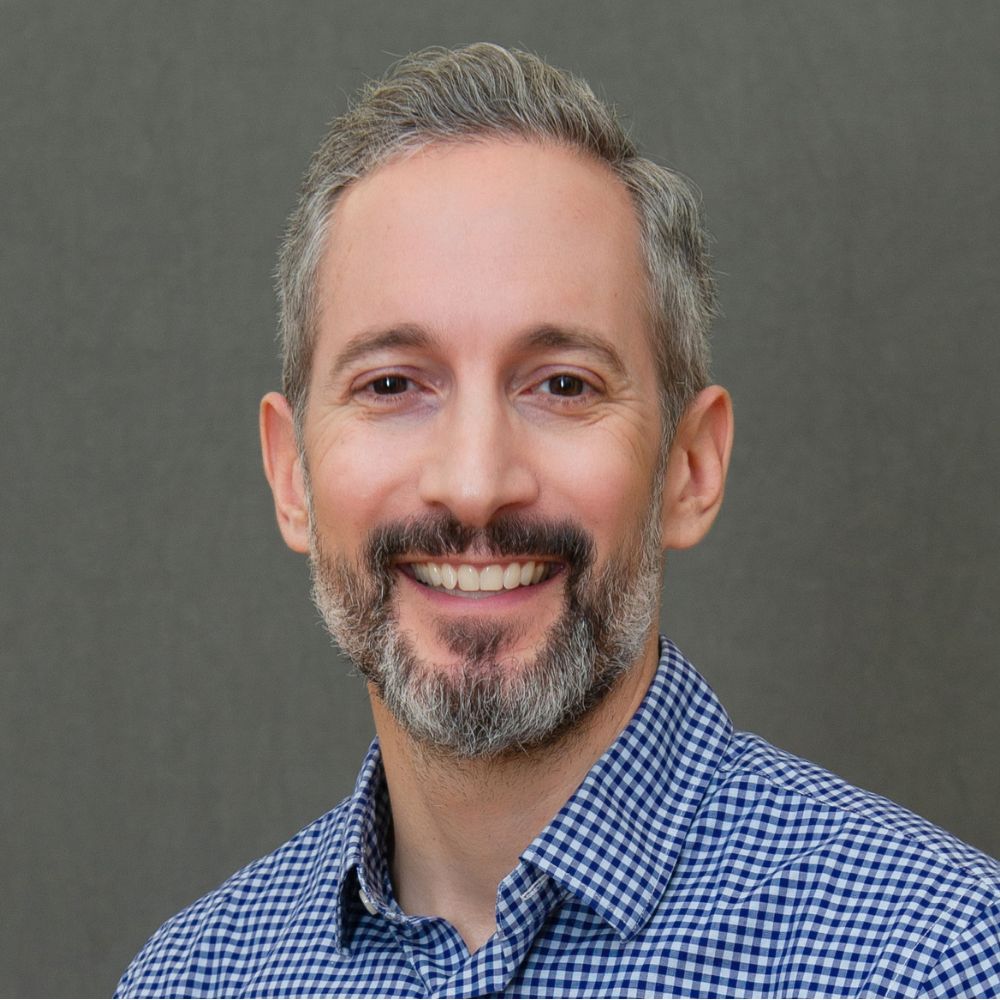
461,824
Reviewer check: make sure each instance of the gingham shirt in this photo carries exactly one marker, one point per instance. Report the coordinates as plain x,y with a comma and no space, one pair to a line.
692,862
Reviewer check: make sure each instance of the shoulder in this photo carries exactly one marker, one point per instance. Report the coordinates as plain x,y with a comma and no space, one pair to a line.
798,787
789,844
242,917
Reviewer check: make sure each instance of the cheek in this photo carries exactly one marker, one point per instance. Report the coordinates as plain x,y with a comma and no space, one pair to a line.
357,484
607,489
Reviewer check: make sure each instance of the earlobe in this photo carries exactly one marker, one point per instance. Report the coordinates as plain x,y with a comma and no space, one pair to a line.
283,468
696,469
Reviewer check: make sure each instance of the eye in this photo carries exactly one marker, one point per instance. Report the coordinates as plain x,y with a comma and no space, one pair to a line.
393,390
389,385
565,385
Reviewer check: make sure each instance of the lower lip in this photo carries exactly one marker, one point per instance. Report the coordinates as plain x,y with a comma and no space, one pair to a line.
479,601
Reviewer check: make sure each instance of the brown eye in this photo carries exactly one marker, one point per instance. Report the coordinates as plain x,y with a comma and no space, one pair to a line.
390,385
565,385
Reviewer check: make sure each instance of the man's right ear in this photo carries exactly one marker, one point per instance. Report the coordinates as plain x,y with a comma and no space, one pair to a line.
283,468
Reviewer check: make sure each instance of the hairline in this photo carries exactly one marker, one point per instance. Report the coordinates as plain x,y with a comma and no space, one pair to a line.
412,145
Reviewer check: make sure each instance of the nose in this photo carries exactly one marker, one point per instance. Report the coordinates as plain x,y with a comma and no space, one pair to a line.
478,462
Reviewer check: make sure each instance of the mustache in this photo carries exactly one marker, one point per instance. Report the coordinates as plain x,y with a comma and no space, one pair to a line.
508,535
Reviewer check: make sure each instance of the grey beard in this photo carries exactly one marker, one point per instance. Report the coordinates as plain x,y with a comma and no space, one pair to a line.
490,708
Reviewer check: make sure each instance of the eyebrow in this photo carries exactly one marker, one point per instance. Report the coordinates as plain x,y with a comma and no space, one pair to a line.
546,336
575,339
373,341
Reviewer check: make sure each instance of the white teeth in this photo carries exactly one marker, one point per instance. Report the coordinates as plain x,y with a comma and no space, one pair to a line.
471,579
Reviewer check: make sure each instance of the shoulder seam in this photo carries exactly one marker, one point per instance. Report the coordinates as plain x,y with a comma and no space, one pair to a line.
980,868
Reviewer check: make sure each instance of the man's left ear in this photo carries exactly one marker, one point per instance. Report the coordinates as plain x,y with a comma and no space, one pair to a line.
696,468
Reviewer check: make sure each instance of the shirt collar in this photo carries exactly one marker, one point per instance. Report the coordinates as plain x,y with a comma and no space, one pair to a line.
364,848
615,843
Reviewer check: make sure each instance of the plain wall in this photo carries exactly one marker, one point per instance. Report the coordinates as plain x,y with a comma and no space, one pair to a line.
172,709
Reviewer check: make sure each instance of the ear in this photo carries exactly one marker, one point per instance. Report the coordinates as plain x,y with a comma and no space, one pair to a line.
283,468
696,468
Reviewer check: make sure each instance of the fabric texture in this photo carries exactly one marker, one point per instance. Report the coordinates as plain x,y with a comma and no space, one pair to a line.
691,862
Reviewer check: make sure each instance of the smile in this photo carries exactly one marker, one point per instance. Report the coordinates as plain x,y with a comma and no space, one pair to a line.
471,579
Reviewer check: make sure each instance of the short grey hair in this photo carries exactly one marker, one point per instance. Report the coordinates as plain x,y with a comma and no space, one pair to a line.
483,90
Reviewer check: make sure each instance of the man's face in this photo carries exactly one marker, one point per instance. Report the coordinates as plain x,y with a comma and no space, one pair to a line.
482,438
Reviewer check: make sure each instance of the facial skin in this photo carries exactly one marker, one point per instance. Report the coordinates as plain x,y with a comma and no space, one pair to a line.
482,358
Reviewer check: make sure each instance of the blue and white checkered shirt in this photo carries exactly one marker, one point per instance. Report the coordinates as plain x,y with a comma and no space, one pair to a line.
692,862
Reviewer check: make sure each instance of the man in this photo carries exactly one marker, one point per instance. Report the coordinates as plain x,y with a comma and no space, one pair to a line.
496,418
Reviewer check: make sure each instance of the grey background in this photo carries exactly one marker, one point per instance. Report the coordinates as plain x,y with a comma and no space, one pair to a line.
171,709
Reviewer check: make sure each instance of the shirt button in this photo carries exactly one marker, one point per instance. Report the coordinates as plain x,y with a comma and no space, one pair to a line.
367,903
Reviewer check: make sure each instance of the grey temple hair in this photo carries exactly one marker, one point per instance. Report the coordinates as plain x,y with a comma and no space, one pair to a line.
481,91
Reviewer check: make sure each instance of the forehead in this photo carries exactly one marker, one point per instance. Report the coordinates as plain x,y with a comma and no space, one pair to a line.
485,238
